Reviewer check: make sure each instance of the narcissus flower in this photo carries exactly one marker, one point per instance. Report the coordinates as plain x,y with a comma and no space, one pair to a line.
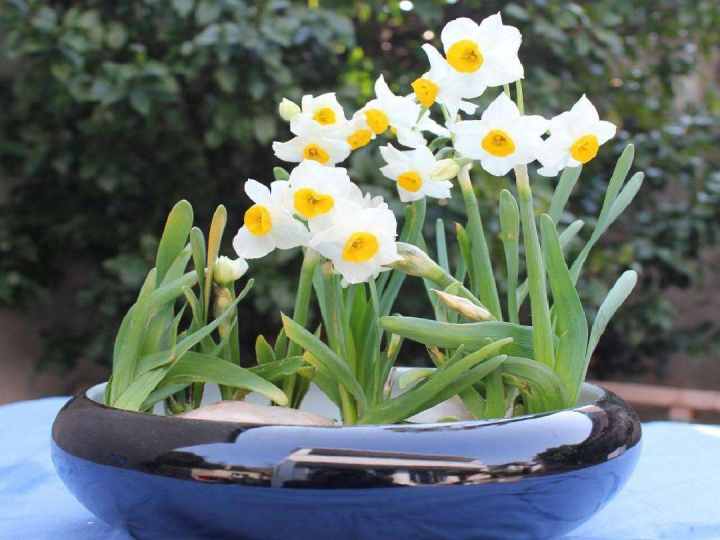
361,244
315,192
480,55
267,223
320,115
227,270
413,170
438,85
575,137
397,113
325,150
502,138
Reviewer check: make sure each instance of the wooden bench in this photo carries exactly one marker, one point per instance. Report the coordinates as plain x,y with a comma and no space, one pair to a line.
682,403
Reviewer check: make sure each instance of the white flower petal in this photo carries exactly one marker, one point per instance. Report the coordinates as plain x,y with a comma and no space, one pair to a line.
459,29
502,109
287,232
497,166
250,246
291,150
604,131
257,192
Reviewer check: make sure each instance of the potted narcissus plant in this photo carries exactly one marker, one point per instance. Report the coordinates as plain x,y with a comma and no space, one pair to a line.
319,434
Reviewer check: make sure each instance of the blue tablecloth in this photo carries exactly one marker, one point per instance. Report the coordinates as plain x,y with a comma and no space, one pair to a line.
674,493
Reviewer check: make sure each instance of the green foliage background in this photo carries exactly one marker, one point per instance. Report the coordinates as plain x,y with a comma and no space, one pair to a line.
112,111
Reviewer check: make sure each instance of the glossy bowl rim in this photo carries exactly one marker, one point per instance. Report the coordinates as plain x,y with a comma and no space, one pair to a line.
599,393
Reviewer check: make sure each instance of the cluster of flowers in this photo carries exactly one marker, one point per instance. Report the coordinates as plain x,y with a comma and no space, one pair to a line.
320,207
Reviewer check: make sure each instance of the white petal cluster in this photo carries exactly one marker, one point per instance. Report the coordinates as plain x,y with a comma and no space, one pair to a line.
477,56
321,208
413,171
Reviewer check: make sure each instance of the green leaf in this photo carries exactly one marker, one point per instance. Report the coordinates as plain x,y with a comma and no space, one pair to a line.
279,369
183,7
567,236
452,335
334,365
542,378
494,395
136,394
465,383
441,242
197,367
412,228
140,101
280,174
571,325
568,179
543,343
407,404
510,236
188,342
263,352
161,393
217,228
174,237
615,298
484,286
199,256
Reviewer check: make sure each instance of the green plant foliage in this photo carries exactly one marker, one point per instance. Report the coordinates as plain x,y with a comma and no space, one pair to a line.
154,359
112,109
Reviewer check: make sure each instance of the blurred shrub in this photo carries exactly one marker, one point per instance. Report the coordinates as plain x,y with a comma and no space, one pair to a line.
114,110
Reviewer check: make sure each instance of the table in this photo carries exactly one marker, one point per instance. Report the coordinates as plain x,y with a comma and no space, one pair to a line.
674,493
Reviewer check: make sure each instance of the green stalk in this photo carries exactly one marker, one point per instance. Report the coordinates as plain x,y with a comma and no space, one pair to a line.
543,345
311,259
485,289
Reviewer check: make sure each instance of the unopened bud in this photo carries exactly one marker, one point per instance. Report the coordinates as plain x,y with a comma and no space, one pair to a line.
463,306
288,109
415,262
445,169
227,270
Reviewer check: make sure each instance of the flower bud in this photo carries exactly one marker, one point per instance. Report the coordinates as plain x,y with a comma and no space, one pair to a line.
445,169
288,109
227,271
415,262
463,306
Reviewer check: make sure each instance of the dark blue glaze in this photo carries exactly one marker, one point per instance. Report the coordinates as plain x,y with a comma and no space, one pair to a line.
533,477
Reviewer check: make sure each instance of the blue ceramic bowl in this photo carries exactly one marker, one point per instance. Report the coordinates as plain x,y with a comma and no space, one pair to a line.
536,476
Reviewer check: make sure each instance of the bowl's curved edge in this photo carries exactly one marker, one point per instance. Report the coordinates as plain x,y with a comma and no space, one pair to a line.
456,453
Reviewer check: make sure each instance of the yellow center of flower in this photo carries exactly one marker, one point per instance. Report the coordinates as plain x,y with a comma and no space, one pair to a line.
585,148
324,116
498,143
360,247
377,120
465,56
309,203
257,219
426,91
359,138
316,153
410,181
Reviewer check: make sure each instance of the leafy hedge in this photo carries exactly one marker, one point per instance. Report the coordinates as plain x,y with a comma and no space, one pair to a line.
114,110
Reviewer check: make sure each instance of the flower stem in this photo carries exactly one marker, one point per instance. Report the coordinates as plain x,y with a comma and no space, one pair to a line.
540,310
485,288
311,259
